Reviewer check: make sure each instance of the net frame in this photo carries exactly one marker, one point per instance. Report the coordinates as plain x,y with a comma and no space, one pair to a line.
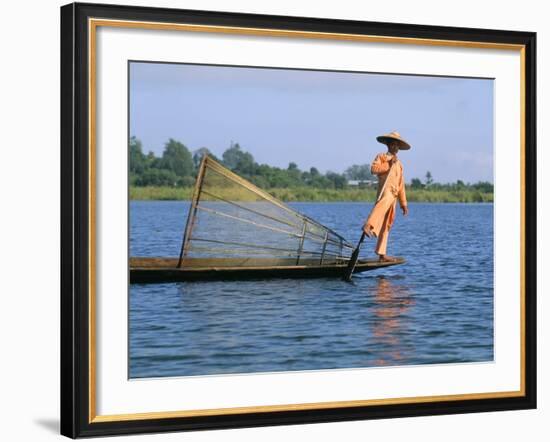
309,226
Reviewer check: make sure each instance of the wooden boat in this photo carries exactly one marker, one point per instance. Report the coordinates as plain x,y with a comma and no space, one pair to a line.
236,230
158,270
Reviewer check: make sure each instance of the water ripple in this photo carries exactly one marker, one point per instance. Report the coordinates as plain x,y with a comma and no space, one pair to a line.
437,308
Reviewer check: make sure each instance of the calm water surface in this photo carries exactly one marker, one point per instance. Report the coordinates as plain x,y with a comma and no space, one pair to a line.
436,308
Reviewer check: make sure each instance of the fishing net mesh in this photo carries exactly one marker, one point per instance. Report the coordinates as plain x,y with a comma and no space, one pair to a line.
233,222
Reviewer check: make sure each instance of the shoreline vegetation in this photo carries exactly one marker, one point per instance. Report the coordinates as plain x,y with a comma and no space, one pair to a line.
306,194
172,176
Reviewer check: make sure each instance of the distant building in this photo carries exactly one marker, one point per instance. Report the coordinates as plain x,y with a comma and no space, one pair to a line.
362,183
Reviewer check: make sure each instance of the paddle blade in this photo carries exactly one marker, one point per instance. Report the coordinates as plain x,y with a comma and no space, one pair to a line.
353,261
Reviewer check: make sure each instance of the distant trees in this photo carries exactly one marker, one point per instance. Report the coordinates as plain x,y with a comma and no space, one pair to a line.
199,153
338,181
177,167
177,158
359,172
483,186
313,178
174,168
458,186
137,158
158,177
416,184
238,160
429,179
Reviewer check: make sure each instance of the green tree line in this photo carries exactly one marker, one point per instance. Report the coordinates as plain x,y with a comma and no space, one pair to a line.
177,168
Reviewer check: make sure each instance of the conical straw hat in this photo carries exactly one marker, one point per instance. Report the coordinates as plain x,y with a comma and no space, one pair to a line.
394,136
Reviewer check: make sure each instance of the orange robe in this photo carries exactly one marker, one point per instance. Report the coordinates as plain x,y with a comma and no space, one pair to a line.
391,187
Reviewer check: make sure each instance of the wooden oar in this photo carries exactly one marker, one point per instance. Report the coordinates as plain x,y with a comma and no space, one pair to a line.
355,255
353,260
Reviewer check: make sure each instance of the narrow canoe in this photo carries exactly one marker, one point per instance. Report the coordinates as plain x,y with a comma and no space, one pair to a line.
160,270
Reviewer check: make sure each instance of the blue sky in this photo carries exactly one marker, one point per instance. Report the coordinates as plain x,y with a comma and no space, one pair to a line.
328,120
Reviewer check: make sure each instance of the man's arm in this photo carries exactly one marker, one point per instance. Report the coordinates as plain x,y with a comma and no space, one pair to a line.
380,165
402,196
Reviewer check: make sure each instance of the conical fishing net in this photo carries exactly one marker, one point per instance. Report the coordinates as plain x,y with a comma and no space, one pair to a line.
231,222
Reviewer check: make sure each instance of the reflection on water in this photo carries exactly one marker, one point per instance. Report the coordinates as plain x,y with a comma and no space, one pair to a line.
392,301
436,308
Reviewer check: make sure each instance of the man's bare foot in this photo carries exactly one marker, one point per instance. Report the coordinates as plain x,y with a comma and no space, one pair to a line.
386,258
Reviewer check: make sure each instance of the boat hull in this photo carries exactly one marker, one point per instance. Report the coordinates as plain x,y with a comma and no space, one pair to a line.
162,270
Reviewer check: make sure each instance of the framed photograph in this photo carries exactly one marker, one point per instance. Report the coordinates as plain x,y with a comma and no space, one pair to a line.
273,220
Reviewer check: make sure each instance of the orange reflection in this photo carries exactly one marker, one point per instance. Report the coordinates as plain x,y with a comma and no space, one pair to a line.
392,301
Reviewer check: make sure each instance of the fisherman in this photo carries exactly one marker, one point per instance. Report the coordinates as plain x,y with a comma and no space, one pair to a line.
391,187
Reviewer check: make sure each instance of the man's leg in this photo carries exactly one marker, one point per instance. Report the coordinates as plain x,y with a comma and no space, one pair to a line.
375,223
382,244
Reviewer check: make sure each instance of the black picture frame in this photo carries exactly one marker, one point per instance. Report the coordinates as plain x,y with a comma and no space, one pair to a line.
75,220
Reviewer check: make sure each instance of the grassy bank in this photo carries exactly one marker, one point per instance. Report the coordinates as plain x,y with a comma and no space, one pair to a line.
323,195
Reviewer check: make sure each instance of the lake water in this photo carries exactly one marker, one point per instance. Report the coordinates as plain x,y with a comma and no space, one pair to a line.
436,308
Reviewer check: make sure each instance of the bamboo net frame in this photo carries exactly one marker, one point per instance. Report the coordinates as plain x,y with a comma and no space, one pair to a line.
231,217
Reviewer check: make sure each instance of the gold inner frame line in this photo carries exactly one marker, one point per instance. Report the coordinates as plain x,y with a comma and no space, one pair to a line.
93,24
300,34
